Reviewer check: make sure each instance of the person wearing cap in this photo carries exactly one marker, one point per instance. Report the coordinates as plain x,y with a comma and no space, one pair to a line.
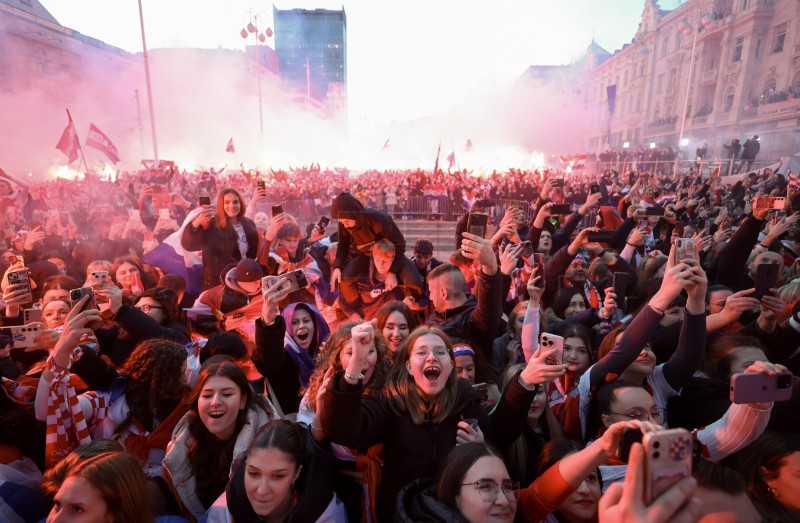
233,303
224,234
359,229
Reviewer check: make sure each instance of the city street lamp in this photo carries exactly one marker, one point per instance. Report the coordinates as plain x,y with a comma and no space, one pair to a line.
260,37
687,29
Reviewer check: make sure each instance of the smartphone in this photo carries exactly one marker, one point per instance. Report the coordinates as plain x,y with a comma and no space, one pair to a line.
135,215
261,185
16,261
485,203
701,224
163,214
476,224
76,295
629,437
777,203
752,387
204,200
685,249
556,183
323,222
620,284
595,188
527,249
538,262
20,277
483,391
667,460
654,211
766,279
680,227
601,236
643,223
561,208
98,279
552,341
295,280
32,315
24,336
63,217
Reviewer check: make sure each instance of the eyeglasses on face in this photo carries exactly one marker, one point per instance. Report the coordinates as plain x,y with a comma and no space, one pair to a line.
656,415
488,489
439,352
147,308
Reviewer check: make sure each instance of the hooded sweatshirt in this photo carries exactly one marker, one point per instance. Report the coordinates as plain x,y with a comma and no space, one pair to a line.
371,225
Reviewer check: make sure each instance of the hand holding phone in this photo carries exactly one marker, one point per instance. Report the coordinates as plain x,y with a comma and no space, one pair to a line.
477,224
756,387
668,459
549,341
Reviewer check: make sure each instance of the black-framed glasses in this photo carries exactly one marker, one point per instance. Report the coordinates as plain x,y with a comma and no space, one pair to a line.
488,489
147,308
656,415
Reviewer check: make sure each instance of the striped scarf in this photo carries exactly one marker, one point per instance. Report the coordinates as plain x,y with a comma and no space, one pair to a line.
67,428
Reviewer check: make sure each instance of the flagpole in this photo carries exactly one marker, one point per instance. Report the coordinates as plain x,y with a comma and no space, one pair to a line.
80,148
149,89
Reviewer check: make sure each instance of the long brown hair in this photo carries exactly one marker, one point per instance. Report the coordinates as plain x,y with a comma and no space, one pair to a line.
221,218
155,382
328,358
404,395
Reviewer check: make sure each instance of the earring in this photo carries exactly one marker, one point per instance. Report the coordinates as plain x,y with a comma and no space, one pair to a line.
772,492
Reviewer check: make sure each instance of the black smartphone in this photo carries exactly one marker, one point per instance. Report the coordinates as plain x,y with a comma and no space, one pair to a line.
595,188
538,261
485,203
277,209
561,208
204,200
654,211
601,236
261,184
621,280
476,224
679,228
323,222
629,437
556,182
76,295
766,279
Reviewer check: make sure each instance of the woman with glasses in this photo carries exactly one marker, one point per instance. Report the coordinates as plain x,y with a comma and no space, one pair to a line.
154,314
424,410
475,486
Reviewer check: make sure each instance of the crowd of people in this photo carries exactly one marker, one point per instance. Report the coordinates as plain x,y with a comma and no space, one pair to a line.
189,347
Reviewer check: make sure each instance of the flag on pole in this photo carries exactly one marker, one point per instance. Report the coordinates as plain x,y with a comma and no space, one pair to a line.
451,158
230,148
69,143
436,165
385,144
100,141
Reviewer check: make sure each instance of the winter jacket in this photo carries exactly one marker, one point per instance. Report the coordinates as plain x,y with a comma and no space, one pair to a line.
478,320
371,225
220,247
316,502
417,503
178,472
133,327
412,451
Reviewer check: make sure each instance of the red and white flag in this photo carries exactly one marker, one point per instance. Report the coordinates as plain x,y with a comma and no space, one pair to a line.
794,180
69,143
230,148
100,141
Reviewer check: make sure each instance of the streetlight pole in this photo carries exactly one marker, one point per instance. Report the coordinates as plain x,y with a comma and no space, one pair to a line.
696,30
252,27
149,89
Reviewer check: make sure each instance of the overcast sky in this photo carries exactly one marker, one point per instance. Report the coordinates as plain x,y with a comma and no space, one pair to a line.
429,54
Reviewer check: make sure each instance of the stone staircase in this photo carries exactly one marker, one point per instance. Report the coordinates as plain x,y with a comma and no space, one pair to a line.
441,234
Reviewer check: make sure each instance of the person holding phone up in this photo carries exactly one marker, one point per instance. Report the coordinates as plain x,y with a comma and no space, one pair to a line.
223,234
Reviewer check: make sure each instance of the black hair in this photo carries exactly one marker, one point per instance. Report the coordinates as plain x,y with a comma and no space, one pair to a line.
224,344
456,466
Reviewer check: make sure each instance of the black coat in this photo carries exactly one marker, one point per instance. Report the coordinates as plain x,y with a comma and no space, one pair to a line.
413,451
417,503
220,247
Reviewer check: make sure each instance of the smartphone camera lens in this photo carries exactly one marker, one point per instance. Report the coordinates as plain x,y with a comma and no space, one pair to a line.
784,381
656,444
656,455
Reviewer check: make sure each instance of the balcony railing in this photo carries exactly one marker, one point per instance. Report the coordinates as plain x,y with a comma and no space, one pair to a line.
789,106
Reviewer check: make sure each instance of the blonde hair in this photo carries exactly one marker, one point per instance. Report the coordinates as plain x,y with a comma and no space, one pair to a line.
384,246
404,395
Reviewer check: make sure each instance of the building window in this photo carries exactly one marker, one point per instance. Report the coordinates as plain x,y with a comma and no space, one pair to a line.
729,96
780,39
737,49
678,40
660,84
673,78
625,79
745,4
639,103
665,46
758,48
